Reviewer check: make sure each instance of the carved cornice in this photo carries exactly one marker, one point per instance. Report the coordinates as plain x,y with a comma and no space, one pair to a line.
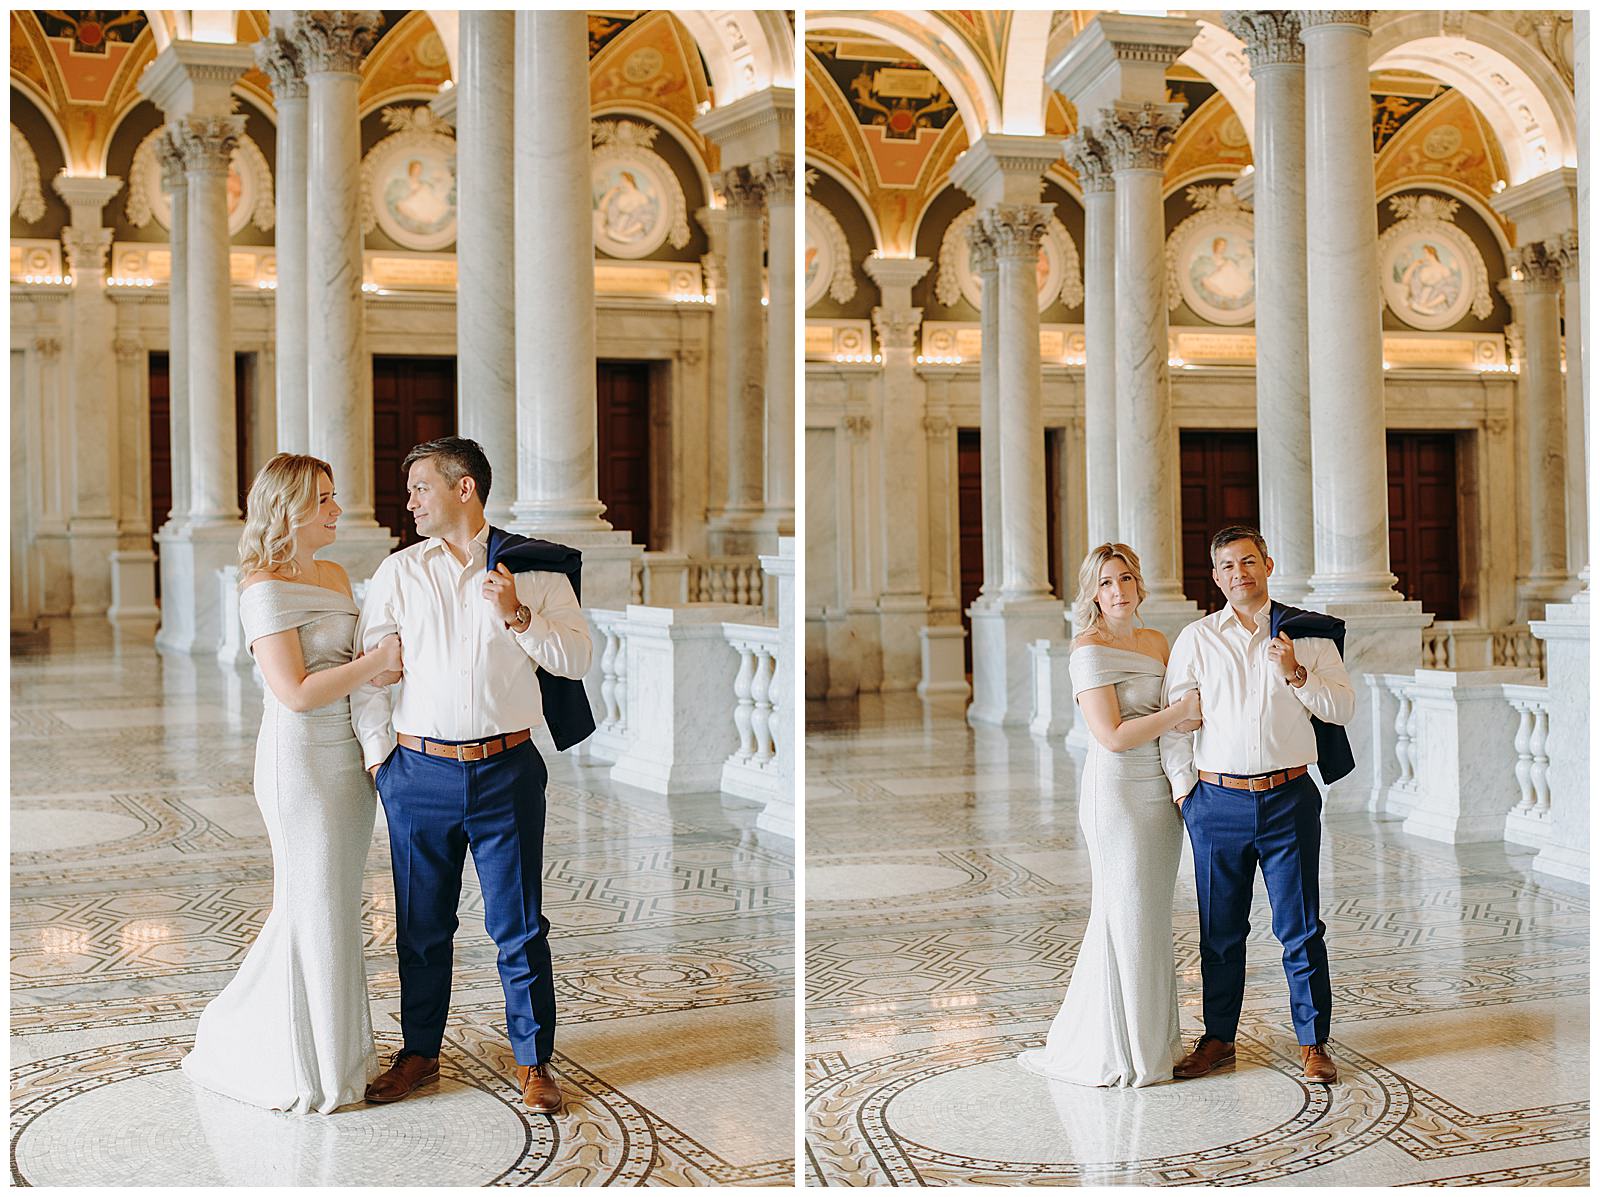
897,327
1271,37
208,142
87,251
741,190
1090,159
278,55
1537,263
1310,18
1140,135
1017,229
336,39
776,175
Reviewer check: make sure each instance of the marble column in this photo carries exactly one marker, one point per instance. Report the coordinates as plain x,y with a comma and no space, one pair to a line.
176,185
901,474
1534,290
776,172
1349,459
332,45
734,532
1283,385
987,267
486,345
1565,252
92,379
1139,136
1583,70
1090,158
278,56
715,265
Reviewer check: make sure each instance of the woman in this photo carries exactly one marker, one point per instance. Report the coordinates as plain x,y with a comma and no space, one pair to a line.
292,1030
1119,1022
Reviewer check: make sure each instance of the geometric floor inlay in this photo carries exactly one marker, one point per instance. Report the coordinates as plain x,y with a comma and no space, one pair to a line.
947,890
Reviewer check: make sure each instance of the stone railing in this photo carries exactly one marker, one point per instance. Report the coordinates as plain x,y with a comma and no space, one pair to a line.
672,579
1528,822
753,769
1401,793
611,724
1516,647
1459,645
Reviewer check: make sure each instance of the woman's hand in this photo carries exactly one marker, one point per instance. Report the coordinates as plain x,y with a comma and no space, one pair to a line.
387,679
1187,709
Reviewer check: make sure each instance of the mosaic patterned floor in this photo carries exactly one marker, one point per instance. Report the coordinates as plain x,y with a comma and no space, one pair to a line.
141,873
946,894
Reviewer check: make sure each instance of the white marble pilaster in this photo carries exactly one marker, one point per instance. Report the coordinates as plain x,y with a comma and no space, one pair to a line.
278,56
1534,290
1090,158
176,184
776,172
902,472
1583,69
1567,255
1349,460
735,530
987,267
714,263
1283,386
486,360
92,385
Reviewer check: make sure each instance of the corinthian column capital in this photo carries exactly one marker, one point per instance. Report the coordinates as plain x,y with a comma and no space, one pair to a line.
335,40
775,173
981,247
897,327
1139,135
1270,37
742,190
1565,251
169,152
280,58
1016,230
207,142
1090,158
1539,263
1310,18
87,250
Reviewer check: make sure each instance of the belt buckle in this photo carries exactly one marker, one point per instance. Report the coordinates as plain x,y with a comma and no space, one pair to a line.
1259,784
471,752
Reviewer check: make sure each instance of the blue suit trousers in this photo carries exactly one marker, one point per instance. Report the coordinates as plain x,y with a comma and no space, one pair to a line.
437,808
1233,831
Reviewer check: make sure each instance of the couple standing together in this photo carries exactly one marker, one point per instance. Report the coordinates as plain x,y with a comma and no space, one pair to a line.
1225,729
432,689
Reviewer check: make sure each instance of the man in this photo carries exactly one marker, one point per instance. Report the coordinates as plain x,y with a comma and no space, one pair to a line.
1241,784
451,751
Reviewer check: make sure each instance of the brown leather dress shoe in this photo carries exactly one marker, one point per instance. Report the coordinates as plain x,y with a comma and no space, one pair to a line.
1319,1069
540,1093
1209,1052
407,1070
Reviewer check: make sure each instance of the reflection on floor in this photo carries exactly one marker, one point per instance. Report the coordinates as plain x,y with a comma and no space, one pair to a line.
946,894
141,873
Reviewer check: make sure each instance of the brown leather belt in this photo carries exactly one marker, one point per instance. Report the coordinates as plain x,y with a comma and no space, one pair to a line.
475,750
1263,781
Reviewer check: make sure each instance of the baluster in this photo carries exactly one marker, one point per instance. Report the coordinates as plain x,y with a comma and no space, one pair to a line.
745,708
1411,740
608,680
1402,737
1524,746
1538,748
775,703
761,716
636,584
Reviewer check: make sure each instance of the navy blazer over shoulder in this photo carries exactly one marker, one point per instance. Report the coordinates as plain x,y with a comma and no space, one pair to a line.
1334,756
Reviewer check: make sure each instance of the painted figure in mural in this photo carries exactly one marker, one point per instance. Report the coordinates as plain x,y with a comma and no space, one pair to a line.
421,200
293,1029
1226,279
495,643
627,212
1118,1024
1431,285
1276,696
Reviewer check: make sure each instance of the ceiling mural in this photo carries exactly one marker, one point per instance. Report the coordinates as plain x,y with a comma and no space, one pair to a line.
653,66
408,59
894,94
1448,141
1210,142
604,27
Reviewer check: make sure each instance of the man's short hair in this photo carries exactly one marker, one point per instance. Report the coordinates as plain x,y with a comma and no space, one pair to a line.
456,458
1235,532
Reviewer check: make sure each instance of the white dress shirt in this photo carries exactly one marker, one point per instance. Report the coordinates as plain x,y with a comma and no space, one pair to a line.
466,675
1253,721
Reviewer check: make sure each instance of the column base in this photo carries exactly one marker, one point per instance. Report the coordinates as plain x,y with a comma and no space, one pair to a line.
1353,588
90,544
1002,673
191,555
901,620
360,548
1380,637
1053,705
133,592
944,669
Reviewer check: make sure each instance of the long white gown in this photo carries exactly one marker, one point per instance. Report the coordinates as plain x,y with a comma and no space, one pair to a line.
1118,1024
293,1029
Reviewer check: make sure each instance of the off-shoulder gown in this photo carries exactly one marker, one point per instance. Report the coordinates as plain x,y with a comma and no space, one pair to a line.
1118,1024
293,1030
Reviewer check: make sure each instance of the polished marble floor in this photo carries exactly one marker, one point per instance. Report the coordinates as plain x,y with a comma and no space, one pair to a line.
141,873
946,894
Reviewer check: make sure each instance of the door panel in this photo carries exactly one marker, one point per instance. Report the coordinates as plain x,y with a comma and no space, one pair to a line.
413,400
1218,487
622,445
1424,541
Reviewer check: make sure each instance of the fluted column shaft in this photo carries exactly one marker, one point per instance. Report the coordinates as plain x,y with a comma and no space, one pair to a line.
332,44
746,372
987,267
1283,384
557,468
777,179
486,353
1017,230
1147,468
208,143
278,55
1348,457
1090,159
176,184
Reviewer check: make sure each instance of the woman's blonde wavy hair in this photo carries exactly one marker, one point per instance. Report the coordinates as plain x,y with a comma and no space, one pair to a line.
1086,615
282,497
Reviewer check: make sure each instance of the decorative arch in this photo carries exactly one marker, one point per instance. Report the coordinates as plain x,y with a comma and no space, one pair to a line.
745,51
930,42
447,24
853,190
1519,92
27,87
1221,60
1022,97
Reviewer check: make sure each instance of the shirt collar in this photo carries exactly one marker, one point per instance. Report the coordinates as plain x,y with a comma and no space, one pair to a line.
1229,615
437,542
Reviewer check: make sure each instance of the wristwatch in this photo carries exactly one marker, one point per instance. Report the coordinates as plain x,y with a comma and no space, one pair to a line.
521,619
1299,678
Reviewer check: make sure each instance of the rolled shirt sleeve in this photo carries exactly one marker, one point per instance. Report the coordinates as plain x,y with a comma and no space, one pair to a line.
557,636
372,707
1327,692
